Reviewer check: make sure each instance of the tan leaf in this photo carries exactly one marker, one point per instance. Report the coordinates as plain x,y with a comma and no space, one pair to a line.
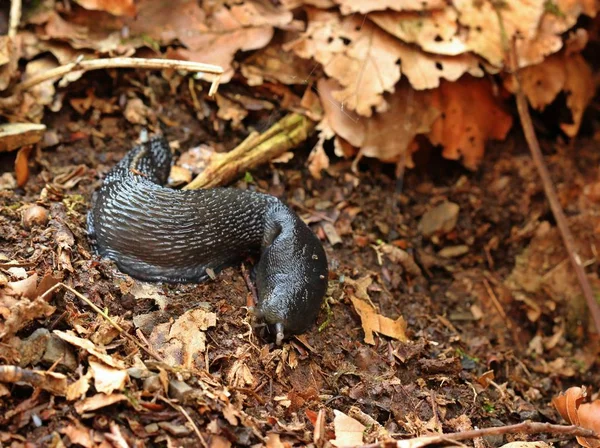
79,388
367,62
213,37
98,401
433,31
185,339
91,348
373,322
348,432
317,160
16,135
78,435
108,379
115,7
365,6
463,129
387,135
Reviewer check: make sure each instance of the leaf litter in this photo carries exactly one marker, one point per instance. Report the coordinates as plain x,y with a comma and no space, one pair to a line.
472,335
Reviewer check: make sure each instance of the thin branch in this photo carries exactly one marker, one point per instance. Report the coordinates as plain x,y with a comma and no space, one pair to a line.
98,64
520,428
109,319
557,211
15,18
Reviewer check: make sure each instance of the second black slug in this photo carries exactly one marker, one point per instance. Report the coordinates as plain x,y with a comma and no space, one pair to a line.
155,233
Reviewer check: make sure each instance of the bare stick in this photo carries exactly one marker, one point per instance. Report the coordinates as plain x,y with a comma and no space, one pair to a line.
255,150
15,18
520,428
98,64
557,211
120,329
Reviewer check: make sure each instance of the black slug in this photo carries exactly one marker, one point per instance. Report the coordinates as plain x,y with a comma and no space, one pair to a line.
155,233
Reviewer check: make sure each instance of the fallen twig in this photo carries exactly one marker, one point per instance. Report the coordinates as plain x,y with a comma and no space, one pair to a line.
98,64
109,319
557,211
15,18
255,150
520,428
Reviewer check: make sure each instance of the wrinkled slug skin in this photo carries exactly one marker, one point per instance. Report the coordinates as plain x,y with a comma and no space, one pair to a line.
155,233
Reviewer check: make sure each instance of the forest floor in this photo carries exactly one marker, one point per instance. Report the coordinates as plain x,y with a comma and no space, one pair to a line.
495,322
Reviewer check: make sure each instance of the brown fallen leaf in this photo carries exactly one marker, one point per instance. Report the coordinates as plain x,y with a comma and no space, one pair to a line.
348,432
366,6
572,408
91,348
566,72
372,322
387,135
108,379
17,135
98,401
471,115
183,340
22,165
115,7
78,434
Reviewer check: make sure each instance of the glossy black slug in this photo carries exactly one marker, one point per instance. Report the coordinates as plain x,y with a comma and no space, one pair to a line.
155,233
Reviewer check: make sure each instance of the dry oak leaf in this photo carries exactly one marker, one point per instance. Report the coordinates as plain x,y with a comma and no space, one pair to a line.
434,31
368,62
108,379
114,7
211,36
471,115
541,83
366,6
98,401
537,26
91,348
388,135
572,408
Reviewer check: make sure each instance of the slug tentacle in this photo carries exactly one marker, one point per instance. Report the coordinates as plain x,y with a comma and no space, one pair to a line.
155,233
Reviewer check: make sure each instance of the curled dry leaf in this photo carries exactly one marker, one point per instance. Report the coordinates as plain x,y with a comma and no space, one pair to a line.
471,115
572,408
53,382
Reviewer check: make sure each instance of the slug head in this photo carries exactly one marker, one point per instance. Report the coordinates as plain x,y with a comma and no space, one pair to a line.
291,275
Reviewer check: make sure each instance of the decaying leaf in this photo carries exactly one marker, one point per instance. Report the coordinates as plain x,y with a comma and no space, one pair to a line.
541,83
387,135
16,135
53,382
108,379
366,6
98,401
348,432
183,340
116,7
471,115
91,348
372,321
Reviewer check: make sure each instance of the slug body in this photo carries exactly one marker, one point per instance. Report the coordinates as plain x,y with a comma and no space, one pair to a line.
155,233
